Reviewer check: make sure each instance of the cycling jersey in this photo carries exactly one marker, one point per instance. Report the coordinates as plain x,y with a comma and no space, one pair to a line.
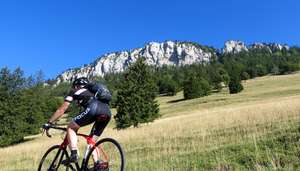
82,96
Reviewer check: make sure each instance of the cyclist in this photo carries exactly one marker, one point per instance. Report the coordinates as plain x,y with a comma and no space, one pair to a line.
96,110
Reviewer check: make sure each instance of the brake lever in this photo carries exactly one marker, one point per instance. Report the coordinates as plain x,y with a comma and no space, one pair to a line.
48,134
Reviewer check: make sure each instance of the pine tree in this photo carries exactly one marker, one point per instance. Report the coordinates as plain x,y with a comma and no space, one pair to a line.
23,106
136,97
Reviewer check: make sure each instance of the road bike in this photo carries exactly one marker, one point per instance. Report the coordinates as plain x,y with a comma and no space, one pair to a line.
107,150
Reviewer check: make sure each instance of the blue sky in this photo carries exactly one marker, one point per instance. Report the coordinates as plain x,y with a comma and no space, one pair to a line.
54,35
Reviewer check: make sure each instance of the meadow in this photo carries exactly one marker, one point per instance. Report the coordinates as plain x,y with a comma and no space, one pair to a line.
258,129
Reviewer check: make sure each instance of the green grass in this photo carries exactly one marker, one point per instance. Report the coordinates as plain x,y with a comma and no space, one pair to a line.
276,150
258,89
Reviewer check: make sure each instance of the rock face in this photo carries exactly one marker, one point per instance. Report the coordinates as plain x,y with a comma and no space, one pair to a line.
158,54
271,47
276,46
234,47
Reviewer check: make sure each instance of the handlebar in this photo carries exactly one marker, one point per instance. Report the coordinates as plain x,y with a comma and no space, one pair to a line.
54,127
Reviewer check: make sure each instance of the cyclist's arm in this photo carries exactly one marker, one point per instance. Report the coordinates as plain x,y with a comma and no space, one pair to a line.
60,111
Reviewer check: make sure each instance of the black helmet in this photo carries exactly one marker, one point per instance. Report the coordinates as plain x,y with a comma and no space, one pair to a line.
81,81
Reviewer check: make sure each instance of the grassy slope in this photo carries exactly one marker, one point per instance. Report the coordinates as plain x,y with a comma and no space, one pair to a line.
254,130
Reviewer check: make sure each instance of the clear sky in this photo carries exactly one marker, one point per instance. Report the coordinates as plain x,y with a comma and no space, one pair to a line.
54,35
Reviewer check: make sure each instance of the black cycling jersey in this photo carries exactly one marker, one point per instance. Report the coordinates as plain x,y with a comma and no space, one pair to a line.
82,96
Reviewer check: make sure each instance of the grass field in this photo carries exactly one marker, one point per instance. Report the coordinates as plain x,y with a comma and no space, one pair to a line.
257,129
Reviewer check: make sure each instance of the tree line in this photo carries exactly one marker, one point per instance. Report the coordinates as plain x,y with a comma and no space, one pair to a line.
25,103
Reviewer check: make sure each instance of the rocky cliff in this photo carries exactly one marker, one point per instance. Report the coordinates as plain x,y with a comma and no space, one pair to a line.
158,54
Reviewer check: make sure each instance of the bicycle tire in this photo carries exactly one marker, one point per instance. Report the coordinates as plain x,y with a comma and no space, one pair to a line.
60,154
118,147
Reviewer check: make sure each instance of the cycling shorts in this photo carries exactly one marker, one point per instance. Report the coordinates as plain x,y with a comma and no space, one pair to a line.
97,113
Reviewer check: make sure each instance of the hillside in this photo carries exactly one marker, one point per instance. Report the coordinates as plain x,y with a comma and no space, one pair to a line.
257,129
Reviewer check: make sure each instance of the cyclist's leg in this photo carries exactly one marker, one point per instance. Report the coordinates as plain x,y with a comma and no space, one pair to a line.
101,118
82,119
101,122
71,134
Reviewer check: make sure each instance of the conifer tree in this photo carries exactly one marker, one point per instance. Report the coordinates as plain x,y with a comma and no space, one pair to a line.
23,106
136,97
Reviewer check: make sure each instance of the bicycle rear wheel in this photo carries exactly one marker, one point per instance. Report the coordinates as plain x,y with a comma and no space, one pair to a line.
52,160
109,152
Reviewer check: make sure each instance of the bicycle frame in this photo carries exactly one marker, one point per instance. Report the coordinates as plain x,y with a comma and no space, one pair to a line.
90,144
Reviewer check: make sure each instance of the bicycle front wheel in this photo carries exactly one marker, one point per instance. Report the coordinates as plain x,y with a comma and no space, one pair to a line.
109,154
53,160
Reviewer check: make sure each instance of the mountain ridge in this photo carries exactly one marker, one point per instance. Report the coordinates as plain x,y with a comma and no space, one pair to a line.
174,53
